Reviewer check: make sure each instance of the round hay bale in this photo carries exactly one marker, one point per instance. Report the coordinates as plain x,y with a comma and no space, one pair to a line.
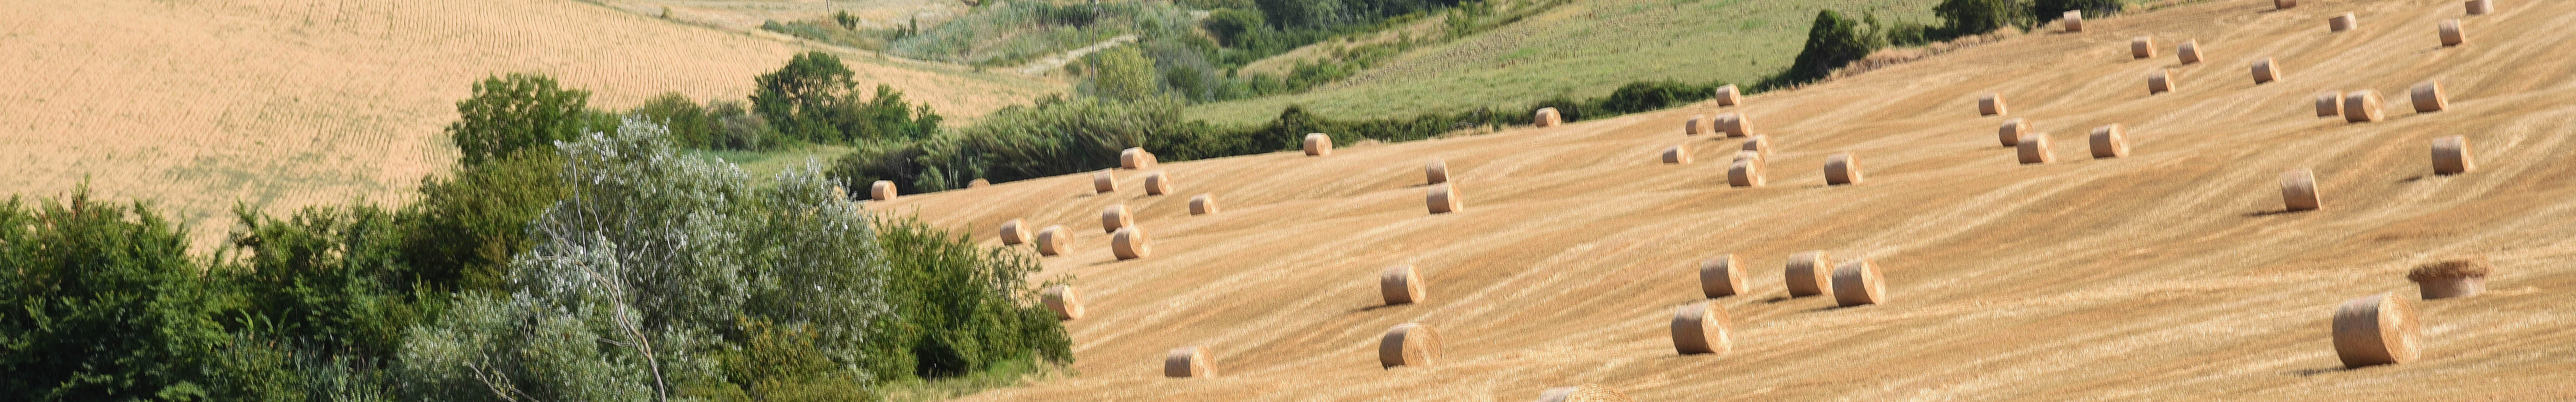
2428,97
1808,273
2450,278
2341,23
1734,125
2011,131
1697,123
2329,104
1064,300
2480,7
2160,81
2451,155
2299,190
1435,172
2189,52
2266,71
1842,168
1187,361
2363,106
1135,158
1583,393
2142,47
2033,149
882,190
1129,243
2451,35
1857,283
2284,4
1547,117
1729,96
1677,155
1011,235
1400,285
1114,217
2110,141
1318,144
978,182
1745,172
1202,204
2375,330
1759,144
1442,199
1408,344
1052,241
2073,19
1990,104
1720,277
1103,182
1158,184
1700,328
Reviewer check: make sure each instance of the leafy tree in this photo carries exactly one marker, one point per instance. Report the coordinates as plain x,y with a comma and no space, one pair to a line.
1970,17
466,226
691,125
1832,42
2049,10
799,97
1125,74
1232,25
519,111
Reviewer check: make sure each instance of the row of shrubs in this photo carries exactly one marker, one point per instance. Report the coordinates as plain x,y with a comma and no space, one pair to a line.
1836,40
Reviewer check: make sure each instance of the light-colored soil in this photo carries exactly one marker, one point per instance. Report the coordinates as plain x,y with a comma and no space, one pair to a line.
2171,274
282,104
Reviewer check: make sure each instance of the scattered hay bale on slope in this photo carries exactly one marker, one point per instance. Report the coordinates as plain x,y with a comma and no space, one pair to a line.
2011,131
1729,96
2267,71
1721,277
2284,4
1103,183
1158,184
2299,190
2034,149
1400,285
1858,283
1991,104
2340,23
2451,35
2480,7
1066,302
1129,243
1318,144
2073,20
1408,344
1842,168
2428,97
1011,234
1052,241
978,183
1677,154
1583,393
2110,141
2329,104
1114,217
1700,328
1186,362
2456,277
2451,155
2189,52
1734,125
1203,204
2375,330
1759,144
881,190
1745,172
1435,172
2160,81
1443,198
2142,47
1698,123
1135,158
1547,117
1808,273
2363,106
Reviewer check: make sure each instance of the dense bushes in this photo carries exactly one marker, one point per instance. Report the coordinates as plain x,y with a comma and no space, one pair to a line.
1970,17
813,99
1831,42
2048,10
519,111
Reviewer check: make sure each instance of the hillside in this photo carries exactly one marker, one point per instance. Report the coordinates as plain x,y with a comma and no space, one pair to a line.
282,104
2171,274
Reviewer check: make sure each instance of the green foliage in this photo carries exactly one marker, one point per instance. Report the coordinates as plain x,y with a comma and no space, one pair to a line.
1970,17
517,112
1832,42
1126,75
813,99
726,125
335,279
465,228
1231,25
2049,10
961,307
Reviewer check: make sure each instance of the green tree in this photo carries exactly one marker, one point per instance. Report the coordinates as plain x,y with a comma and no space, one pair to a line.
510,113
1831,42
467,225
1970,17
799,98
1232,25
2049,10
1125,75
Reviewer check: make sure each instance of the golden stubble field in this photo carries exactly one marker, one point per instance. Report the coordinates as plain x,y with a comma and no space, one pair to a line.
2170,274
280,104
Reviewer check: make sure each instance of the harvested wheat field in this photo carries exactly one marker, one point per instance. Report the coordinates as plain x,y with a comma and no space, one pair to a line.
282,104
2171,273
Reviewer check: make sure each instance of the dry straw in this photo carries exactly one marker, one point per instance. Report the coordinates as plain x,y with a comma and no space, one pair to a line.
1759,144
1408,344
1991,105
1729,96
1052,241
2142,47
1066,302
2073,19
1700,328
2375,330
2451,35
1158,184
2160,81
1720,277
1443,198
1697,124
2363,106
1135,158
1202,204
2034,149
1011,234
2450,278
2266,71
882,190
2428,97
1734,125
1745,172
1842,168
1435,172
1318,144
1114,217
1808,273
2011,131
1857,283
1103,182
978,182
2284,4
1583,393
2451,155
2480,7
1547,117
1677,154
2189,52
1187,361
1129,243
1400,285
2329,104
2299,190
2110,141
2341,23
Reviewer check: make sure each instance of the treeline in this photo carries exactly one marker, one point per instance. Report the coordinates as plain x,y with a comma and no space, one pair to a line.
1835,39
568,256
